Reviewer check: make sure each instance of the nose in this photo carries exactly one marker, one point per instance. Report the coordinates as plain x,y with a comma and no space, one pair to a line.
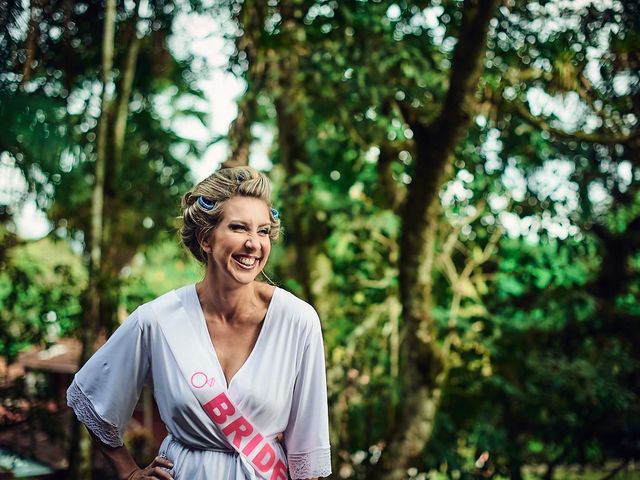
250,244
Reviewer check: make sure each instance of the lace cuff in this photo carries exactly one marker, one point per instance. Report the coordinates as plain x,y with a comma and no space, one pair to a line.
316,463
82,406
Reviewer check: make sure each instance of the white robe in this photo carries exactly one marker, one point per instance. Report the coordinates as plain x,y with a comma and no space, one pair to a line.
281,388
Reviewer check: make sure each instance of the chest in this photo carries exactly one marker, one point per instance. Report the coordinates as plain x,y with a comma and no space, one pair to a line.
233,344
262,388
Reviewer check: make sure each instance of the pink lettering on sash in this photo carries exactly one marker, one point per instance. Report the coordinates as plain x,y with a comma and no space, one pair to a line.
252,444
219,408
279,471
265,458
240,427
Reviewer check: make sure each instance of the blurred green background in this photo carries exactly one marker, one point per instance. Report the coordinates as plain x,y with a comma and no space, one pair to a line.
459,188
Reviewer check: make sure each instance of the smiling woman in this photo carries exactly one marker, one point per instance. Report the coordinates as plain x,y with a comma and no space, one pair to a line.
203,207
241,239
236,365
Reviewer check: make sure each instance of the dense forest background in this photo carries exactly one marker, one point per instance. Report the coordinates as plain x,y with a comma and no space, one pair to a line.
459,187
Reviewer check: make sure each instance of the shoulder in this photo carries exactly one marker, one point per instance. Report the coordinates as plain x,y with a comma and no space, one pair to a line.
297,312
151,312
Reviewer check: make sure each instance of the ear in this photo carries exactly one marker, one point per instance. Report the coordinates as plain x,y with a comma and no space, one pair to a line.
204,240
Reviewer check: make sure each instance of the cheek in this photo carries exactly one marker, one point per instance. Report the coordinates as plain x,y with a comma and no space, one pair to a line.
266,247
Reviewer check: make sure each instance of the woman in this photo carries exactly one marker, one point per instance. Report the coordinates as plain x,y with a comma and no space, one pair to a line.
236,365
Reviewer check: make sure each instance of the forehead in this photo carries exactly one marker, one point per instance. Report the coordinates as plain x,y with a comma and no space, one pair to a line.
247,209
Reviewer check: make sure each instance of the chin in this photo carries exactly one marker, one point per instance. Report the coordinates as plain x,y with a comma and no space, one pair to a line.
246,279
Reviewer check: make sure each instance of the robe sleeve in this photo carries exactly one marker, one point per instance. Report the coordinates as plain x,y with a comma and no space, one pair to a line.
306,437
106,389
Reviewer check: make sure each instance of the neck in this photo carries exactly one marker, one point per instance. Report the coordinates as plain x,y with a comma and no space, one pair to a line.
226,301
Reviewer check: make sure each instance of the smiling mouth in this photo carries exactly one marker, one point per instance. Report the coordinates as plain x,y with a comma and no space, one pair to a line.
246,263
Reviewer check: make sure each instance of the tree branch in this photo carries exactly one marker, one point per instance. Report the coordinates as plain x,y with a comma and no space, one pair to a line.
616,470
434,146
527,77
390,193
124,92
542,124
466,66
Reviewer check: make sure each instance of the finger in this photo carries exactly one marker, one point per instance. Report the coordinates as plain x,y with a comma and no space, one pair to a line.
279,437
161,462
161,473
153,474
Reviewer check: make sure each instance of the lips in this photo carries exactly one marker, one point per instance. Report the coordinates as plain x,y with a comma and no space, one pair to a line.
246,262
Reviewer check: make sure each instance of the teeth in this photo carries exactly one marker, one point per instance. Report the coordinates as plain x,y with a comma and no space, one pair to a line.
248,261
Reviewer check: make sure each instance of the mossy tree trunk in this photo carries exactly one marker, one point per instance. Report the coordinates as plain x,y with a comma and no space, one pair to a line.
425,366
251,20
80,452
305,230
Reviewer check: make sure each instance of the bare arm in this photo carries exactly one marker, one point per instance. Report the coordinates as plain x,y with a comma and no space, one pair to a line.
127,469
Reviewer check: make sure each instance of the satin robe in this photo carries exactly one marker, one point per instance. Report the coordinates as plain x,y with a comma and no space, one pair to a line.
281,387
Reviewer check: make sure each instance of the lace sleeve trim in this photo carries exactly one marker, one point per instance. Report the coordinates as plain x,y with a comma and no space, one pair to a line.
83,408
316,463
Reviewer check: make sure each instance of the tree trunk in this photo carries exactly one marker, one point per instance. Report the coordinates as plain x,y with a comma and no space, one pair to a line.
31,42
92,320
299,220
80,449
251,20
304,229
124,92
550,470
116,255
239,136
425,369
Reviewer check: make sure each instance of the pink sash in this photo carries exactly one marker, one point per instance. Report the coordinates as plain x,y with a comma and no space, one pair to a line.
262,454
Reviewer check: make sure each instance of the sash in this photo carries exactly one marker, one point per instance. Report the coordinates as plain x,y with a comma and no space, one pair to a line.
257,451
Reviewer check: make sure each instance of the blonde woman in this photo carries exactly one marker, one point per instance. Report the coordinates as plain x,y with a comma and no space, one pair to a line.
236,365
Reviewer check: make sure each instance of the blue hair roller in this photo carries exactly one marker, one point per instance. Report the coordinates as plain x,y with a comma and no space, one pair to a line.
204,204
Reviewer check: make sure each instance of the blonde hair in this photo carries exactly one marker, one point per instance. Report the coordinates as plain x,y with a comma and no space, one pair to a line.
198,220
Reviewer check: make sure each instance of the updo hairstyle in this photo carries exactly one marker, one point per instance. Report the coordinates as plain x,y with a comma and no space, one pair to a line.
198,220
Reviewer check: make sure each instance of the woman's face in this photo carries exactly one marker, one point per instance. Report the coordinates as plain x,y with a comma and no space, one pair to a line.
239,246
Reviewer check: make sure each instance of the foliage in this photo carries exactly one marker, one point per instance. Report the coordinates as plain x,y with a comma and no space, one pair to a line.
536,246
157,270
50,92
40,285
523,321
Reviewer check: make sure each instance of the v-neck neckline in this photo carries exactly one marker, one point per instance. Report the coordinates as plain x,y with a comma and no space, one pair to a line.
203,323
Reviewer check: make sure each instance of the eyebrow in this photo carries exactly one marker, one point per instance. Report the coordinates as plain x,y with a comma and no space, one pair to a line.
245,223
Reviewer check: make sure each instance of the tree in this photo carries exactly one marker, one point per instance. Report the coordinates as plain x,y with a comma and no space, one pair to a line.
404,100
458,185
148,165
424,366
106,176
